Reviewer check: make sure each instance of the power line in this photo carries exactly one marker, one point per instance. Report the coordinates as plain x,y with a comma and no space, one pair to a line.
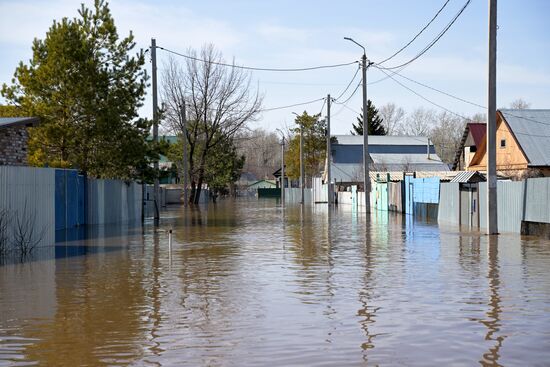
349,84
417,35
435,89
292,105
424,98
352,94
257,68
433,42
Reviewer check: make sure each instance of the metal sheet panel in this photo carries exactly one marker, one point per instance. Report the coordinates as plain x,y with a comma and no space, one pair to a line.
449,203
537,200
510,206
29,192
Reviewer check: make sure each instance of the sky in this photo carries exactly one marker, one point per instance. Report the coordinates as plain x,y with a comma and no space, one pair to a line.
295,34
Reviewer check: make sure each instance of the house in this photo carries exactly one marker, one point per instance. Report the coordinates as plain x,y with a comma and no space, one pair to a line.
474,132
263,184
523,144
387,153
14,138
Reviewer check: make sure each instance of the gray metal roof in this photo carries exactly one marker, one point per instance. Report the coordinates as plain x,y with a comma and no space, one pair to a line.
468,176
15,121
532,130
353,172
381,140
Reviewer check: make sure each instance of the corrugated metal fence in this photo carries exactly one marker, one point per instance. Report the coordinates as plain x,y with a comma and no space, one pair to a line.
449,203
27,195
56,200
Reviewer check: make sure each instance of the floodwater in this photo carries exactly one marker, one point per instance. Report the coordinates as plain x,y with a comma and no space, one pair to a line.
248,284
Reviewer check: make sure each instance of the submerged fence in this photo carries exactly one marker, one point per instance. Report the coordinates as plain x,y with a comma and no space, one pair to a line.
45,201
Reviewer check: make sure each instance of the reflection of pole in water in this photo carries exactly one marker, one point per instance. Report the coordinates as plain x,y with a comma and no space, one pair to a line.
367,312
492,323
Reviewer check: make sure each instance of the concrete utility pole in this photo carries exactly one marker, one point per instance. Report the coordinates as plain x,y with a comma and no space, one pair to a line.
492,219
283,171
185,158
329,175
301,164
366,159
156,188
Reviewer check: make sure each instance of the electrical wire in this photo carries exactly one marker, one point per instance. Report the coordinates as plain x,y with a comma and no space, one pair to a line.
349,84
352,94
417,35
424,98
292,105
394,73
433,42
257,68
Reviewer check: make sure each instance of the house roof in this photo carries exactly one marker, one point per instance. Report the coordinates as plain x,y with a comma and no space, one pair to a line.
477,129
354,175
380,140
353,172
531,129
468,176
6,122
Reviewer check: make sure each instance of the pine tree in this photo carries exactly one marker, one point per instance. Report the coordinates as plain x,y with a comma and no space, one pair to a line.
86,89
375,122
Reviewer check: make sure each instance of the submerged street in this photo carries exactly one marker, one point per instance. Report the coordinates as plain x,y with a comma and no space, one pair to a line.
248,283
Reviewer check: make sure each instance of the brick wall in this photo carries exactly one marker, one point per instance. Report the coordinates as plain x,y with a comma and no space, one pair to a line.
13,146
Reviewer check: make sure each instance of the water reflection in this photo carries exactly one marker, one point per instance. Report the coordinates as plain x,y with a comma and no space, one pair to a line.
493,321
251,283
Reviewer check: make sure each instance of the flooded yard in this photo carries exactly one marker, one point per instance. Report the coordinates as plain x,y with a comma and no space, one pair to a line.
249,283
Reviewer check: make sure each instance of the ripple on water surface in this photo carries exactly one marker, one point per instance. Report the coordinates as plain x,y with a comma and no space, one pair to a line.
248,283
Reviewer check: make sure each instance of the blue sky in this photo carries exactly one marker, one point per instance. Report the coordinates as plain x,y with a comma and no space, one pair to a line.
307,33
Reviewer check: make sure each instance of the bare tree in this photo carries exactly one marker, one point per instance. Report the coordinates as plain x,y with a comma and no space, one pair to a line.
393,117
520,104
261,150
420,122
219,99
4,223
26,235
447,135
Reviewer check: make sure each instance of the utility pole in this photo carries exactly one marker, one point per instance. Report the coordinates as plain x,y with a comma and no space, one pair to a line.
155,126
283,171
185,158
329,153
366,159
302,163
492,220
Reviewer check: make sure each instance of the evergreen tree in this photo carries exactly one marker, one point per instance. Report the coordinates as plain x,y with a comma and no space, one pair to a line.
86,89
314,141
376,126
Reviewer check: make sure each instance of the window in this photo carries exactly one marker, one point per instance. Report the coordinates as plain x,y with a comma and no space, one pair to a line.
473,149
503,143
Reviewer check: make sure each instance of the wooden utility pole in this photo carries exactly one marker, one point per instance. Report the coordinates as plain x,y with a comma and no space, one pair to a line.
156,187
329,175
185,157
492,208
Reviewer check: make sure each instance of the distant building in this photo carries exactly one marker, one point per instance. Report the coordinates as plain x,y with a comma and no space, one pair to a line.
473,135
523,144
14,138
387,153
263,184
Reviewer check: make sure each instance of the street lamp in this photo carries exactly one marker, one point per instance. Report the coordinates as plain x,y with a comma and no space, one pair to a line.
301,161
366,178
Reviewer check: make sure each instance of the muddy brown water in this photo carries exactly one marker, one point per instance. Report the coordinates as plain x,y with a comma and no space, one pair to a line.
248,284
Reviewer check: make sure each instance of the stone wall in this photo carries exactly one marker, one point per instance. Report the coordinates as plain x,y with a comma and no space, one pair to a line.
13,146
